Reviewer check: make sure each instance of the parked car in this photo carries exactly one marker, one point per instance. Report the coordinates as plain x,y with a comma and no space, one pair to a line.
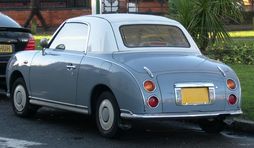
122,67
13,38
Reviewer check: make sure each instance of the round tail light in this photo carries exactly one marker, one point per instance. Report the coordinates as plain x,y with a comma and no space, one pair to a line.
231,84
153,101
232,99
149,86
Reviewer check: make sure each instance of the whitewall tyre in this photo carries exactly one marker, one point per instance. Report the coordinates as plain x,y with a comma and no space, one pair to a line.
20,100
107,115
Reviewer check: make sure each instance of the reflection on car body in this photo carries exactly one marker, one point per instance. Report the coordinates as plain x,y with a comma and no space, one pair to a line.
119,67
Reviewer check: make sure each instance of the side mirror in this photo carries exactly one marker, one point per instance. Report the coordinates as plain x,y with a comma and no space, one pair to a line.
44,44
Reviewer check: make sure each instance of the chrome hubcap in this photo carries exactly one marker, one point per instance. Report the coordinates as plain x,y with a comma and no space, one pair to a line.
19,98
106,114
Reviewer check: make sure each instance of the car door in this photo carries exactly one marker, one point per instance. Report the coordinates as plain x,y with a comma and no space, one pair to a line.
53,75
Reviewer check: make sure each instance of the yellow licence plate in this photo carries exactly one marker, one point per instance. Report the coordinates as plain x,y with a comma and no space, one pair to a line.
193,96
5,48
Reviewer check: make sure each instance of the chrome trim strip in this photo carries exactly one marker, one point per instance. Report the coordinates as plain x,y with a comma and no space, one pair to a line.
221,70
59,105
194,84
130,115
178,96
149,72
212,95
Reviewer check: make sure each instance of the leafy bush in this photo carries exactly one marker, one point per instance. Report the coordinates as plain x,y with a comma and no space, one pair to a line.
235,52
204,19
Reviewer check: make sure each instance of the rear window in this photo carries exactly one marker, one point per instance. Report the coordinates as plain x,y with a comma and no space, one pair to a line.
136,36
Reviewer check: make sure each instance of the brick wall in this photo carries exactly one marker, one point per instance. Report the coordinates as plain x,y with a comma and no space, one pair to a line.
153,6
53,17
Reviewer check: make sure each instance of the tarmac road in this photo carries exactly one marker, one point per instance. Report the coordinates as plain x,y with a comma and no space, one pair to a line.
53,128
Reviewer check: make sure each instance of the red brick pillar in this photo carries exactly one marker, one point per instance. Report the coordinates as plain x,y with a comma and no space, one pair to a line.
123,6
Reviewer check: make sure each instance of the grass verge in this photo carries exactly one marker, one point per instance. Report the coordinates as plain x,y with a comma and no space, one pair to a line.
246,76
39,37
241,34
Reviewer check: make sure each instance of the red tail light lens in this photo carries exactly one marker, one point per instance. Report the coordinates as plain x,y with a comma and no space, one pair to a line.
153,101
30,44
232,99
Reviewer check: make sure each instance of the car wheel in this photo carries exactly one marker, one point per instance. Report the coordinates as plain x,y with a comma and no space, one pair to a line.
213,126
107,115
20,100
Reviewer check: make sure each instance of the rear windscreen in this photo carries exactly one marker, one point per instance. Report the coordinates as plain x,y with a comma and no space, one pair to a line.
153,36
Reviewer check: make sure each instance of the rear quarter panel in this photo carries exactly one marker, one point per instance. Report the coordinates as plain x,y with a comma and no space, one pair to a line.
95,70
20,62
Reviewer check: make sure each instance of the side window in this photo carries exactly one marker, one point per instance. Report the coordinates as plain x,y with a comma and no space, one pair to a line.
73,36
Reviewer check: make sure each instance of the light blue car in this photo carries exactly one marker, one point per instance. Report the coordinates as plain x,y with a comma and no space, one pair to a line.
124,67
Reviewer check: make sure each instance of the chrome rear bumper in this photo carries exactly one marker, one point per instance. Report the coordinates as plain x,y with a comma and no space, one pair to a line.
129,115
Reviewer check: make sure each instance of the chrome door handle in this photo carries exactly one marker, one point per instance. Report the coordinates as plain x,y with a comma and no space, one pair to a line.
70,67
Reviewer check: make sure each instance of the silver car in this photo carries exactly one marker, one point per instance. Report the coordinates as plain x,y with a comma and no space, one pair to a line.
122,67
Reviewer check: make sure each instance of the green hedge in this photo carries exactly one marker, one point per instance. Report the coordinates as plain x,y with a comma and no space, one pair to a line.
234,52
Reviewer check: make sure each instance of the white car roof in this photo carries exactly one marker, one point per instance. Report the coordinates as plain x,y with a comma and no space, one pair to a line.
124,17
99,23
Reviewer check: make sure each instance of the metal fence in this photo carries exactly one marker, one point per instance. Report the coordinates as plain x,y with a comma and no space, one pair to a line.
45,4
135,6
108,6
